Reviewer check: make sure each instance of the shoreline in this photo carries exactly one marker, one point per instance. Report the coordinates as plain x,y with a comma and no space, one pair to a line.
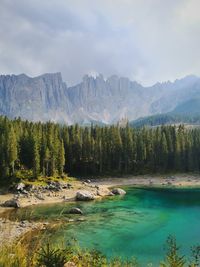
100,188
176,180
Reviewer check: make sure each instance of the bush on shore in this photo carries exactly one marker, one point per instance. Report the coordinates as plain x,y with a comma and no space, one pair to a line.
37,255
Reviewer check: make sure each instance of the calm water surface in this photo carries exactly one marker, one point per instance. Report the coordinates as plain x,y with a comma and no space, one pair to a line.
137,224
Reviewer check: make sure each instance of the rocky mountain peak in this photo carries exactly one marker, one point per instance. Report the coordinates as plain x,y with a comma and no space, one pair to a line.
47,97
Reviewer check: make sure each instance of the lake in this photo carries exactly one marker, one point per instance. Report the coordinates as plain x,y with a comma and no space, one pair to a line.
136,224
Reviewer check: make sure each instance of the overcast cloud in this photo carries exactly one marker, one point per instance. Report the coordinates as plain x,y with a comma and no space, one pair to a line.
145,40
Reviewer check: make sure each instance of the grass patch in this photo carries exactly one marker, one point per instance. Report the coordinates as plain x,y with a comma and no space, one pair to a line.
38,254
26,177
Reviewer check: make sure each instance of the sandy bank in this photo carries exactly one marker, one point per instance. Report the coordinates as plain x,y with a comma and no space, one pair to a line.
51,196
11,231
178,180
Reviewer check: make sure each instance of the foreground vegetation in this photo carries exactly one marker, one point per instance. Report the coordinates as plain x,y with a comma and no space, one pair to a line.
50,149
21,255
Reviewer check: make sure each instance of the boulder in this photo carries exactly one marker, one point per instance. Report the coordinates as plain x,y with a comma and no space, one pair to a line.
118,191
104,192
54,186
24,224
84,195
20,187
75,211
66,185
11,203
39,196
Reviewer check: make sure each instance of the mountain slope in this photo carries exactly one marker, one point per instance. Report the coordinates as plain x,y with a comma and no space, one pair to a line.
192,106
47,97
166,119
40,98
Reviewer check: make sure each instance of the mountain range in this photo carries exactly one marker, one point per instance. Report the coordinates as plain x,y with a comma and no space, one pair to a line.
94,99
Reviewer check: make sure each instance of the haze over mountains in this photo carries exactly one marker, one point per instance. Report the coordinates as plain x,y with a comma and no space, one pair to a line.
47,97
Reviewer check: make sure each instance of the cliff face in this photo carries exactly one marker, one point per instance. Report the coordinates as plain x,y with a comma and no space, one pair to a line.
47,97
106,100
41,98
117,97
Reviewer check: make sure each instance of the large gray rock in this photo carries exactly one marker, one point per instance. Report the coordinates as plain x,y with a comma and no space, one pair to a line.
12,203
39,196
118,191
54,186
20,187
84,195
75,211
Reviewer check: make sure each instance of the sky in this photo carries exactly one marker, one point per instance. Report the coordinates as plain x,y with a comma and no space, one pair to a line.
145,40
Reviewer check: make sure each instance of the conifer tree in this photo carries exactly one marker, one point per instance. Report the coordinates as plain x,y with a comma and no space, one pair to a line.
36,159
61,158
11,149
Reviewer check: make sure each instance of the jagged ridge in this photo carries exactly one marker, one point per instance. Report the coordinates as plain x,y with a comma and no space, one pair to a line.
47,97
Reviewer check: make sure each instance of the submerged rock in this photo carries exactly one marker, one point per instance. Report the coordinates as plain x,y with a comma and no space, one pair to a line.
12,203
118,191
75,211
70,220
81,219
84,196
110,194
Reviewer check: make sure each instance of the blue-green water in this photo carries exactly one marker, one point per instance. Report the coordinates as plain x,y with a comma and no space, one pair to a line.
137,224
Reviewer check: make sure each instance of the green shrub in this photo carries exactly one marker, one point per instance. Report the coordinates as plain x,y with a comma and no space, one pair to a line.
51,257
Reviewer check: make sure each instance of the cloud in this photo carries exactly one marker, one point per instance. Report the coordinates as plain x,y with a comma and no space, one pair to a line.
148,41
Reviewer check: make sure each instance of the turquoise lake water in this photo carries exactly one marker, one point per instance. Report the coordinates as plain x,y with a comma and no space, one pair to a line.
136,224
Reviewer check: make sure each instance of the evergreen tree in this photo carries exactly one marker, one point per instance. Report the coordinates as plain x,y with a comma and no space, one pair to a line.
11,149
49,149
61,158
36,159
163,152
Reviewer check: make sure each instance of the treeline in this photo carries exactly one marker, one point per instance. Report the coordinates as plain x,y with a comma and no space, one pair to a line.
50,149
167,118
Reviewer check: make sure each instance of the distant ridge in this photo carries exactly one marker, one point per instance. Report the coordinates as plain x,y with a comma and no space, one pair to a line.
94,99
192,106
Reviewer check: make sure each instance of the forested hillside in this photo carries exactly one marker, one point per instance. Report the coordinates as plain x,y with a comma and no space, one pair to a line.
50,149
167,119
185,113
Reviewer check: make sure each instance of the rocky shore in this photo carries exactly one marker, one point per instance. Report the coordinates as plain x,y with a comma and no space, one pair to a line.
23,195
53,192
26,195
13,230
